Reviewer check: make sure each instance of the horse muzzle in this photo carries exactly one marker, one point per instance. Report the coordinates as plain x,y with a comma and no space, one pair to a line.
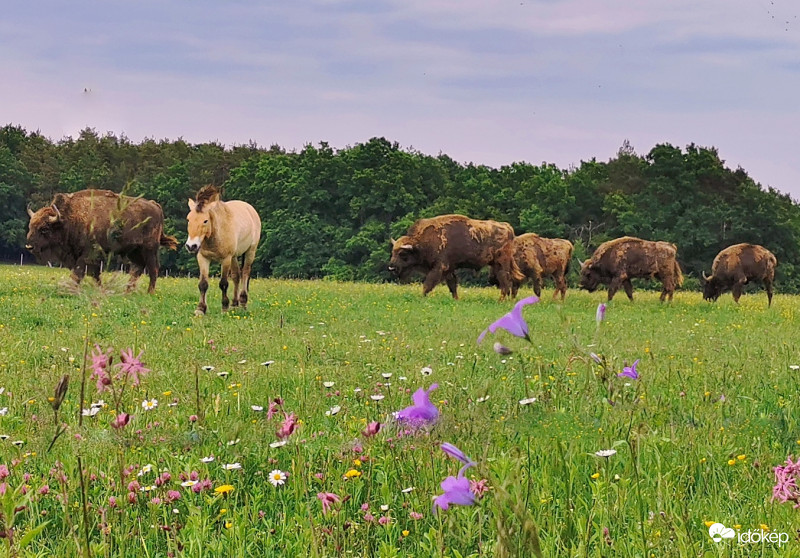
192,248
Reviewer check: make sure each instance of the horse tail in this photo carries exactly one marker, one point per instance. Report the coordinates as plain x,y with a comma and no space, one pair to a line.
168,241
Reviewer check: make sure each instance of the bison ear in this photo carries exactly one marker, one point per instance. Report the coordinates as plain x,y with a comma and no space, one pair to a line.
192,204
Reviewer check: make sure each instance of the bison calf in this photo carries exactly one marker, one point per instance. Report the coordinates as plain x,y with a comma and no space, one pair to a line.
617,261
440,245
737,265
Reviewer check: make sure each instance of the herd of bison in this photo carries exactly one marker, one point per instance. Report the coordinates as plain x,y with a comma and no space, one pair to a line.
80,230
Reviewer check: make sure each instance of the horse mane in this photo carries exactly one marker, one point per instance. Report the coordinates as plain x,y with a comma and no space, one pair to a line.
206,194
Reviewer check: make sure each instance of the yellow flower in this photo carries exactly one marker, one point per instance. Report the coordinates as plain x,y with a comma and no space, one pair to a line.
764,527
223,511
406,532
357,462
167,393
741,457
703,460
224,489
731,462
352,473
228,524
596,476
709,523
737,526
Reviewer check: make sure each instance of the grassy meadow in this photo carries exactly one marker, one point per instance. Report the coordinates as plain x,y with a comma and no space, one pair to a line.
716,407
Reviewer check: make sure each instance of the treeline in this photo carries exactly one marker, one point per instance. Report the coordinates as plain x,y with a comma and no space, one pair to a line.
330,212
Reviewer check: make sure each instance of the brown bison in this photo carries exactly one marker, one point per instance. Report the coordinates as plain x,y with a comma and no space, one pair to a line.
79,230
736,266
538,258
440,245
617,261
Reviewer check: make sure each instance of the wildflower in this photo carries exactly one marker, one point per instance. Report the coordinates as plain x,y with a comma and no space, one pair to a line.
479,487
224,489
279,444
173,495
208,368
405,532
527,401
208,459
596,476
232,466
121,420
456,489
513,322
266,363
352,473
223,374
277,477
501,349
146,469
386,375
426,371
192,418
90,412
601,313
785,488
188,483
605,453
328,384
234,442
327,499
257,408
407,490
597,358
377,397
630,371
131,366
415,515
372,428
333,411
385,520
149,405
422,411
288,426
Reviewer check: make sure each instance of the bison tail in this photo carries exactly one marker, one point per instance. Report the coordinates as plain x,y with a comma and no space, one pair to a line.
569,260
516,273
169,241
678,275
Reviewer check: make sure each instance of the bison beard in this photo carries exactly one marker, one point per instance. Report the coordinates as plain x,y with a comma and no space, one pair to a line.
440,245
616,262
79,230
737,265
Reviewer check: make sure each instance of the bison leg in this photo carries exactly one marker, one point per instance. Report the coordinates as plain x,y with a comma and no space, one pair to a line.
737,288
561,285
503,280
616,283
538,281
78,272
94,271
203,263
152,270
433,278
223,282
136,272
247,266
235,274
452,284
768,286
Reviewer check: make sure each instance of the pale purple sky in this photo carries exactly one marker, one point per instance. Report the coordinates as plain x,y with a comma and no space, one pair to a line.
490,82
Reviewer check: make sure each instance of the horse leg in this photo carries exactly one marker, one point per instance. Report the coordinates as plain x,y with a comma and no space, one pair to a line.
203,263
247,266
235,275
223,282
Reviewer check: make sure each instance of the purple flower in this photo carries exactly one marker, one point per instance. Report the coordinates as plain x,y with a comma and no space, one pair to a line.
456,453
327,499
372,428
513,322
630,371
422,411
785,489
121,420
601,313
501,349
131,366
456,491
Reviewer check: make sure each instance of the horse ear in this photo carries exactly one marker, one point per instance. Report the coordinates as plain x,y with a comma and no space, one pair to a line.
192,204
212,204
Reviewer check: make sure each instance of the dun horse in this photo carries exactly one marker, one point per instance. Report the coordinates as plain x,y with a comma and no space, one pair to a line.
223,231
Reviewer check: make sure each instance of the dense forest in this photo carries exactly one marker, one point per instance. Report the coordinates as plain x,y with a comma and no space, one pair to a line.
330,212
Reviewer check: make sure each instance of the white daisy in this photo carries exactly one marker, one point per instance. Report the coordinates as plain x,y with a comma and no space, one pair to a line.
223,374
482,399
208,459
234,442
794,367
334,410
527,401
377,397
403,378
100,404
407,490
357,390
243,361
387,375
328,384
92,411
188,483
146,469
149,404
3,411
4,437
18,443
208,368
232,466
426,371
277,477
605,453
267,362
257,408
279,444
384,507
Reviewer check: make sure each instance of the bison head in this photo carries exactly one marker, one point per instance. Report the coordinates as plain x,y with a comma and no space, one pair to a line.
590,277
405,257
712,288
46,233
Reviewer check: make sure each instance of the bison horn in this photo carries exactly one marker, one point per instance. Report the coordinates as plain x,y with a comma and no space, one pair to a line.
407,247
706,277
30,212
57,216
392,240
583,264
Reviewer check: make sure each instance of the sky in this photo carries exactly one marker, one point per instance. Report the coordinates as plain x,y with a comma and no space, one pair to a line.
483,81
